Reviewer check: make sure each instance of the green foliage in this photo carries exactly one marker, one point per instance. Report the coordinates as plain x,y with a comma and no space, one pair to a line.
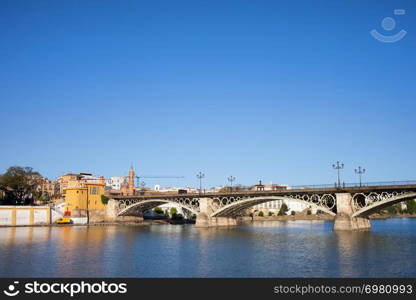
250,214
283,209
293,213
177,216
20,185
270,214
397,209
166,213
308,212
411,206
104,199
158,210
45,198
261,214
391,209
173,211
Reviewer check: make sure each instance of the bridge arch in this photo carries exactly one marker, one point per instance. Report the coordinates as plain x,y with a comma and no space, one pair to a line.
232,209
145,205
384,202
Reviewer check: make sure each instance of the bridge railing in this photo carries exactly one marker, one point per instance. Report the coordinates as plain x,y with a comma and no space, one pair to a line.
356,184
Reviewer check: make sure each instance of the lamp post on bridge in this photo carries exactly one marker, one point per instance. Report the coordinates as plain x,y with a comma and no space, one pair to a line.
200,175
338,166
231,179
360,172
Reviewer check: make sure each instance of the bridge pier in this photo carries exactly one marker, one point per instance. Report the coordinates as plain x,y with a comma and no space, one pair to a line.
344,220
203,219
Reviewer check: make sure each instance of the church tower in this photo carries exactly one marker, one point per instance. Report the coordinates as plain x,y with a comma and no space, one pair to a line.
131,181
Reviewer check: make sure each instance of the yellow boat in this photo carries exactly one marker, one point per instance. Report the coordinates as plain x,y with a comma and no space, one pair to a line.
64,220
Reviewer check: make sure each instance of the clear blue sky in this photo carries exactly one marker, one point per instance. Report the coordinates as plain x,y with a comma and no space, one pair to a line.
271,90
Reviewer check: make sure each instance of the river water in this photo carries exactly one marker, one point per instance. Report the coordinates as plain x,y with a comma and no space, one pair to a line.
263,249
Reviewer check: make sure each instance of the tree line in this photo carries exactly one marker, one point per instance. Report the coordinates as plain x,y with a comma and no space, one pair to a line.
397,208
20,186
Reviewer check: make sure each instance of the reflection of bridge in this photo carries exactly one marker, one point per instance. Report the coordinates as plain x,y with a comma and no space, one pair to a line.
351,206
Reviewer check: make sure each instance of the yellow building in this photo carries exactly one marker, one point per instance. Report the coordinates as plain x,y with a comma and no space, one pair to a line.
64,181
81,196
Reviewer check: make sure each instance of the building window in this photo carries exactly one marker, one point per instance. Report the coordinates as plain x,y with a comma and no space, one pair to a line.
94,191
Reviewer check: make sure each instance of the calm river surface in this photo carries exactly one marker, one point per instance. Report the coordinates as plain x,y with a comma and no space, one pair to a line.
264,249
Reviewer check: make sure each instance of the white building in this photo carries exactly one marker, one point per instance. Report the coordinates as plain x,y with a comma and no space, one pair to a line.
115,182
174,189
274,206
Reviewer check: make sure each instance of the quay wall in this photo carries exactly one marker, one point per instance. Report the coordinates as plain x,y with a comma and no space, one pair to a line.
24,215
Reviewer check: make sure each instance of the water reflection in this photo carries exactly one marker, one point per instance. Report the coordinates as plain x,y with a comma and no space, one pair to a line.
263,249
349,244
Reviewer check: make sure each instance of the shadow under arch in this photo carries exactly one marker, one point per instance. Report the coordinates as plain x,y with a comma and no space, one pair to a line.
372,208
142,206
233,209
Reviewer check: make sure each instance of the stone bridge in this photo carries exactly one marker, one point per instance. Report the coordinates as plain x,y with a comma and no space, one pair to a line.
351,206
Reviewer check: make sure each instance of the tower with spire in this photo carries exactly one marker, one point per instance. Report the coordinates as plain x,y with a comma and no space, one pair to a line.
131,181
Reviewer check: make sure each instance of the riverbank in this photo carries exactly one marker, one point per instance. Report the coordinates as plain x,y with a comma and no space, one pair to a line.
387,216
289,218
322,217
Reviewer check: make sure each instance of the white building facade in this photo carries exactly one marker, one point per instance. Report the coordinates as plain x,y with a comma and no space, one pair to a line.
115,182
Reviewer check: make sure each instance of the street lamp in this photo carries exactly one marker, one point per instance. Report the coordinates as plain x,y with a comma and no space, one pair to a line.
360,172
231,179
200,175
338,166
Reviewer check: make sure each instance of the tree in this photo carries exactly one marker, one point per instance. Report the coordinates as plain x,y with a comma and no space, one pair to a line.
411,206
173,212
177,217
44,198
270,214
391,209
283,209
293,213
20,185
261,214
104,199
308,212
158,210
